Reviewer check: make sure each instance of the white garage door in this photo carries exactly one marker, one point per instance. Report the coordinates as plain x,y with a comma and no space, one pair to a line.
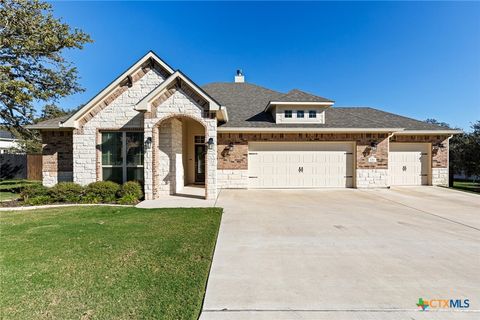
300,164
409,164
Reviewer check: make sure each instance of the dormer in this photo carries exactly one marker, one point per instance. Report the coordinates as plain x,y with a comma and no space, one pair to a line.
299,107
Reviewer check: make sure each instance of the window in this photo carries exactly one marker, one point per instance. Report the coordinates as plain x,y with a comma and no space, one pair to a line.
300,114
312,114
288,113
122,156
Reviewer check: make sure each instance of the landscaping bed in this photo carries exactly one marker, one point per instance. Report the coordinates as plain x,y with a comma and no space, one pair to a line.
106,262
34,194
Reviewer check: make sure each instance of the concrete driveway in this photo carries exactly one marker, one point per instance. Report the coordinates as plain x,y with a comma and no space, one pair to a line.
344,254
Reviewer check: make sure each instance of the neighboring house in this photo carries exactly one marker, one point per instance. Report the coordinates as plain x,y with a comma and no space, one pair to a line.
155,125
7,141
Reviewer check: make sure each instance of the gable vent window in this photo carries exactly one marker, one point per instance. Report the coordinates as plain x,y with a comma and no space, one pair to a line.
288,113
300,114
312,114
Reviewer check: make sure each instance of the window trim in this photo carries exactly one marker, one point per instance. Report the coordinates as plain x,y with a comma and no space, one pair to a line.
288,114
312,112
302,112
124,164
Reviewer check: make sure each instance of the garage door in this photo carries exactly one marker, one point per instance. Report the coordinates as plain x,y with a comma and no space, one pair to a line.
300,164
409,164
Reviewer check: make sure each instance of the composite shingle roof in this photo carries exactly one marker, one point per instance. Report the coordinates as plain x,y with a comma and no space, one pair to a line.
246,103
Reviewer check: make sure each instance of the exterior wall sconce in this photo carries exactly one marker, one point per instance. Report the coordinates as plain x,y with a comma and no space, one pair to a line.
210,143
148,143
231,146
373,145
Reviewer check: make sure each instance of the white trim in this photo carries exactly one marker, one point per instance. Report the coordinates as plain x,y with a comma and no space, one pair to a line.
72,121
430,132
145,103
224,113
239,129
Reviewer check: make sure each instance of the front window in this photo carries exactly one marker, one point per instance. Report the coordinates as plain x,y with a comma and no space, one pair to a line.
300,114
312,114
288,113
122,156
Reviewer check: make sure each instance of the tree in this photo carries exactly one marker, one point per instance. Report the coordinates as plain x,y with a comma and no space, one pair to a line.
32,68
471,153
51,111
438,123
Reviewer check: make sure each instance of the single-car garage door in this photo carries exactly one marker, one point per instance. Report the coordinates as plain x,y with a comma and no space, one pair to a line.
300,164
409,164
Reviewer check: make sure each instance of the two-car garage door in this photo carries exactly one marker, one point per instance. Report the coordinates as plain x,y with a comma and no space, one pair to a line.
300,164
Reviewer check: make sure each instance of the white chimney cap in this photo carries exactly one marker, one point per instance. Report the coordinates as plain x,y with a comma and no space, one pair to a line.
239,78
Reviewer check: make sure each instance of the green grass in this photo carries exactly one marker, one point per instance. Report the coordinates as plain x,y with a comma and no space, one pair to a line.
6,195
9,185
105,262
467,186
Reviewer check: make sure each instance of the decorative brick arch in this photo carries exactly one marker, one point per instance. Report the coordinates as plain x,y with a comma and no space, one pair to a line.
155,149
176,105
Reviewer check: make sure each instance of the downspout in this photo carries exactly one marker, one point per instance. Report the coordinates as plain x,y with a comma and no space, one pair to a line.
448,161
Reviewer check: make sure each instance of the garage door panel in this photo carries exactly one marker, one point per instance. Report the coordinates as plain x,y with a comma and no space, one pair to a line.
301,165
409,164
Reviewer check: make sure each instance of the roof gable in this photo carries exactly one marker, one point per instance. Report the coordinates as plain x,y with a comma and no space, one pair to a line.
120,84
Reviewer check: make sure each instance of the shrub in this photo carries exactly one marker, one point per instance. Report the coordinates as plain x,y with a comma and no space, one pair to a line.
131,188
39,200
35,190
101,191
66,192
128,199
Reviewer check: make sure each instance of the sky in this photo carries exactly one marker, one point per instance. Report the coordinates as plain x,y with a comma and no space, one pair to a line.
417,59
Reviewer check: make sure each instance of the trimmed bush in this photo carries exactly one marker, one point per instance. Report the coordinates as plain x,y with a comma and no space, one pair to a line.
32,191
39,200
131,188
66,192
128,199
101,191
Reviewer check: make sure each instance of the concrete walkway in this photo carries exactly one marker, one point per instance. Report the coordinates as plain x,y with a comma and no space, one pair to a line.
344,254
189,197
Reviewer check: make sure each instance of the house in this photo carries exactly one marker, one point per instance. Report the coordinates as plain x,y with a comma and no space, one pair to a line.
7,142
155,125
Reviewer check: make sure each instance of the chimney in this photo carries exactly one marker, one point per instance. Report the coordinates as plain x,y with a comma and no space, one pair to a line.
239,78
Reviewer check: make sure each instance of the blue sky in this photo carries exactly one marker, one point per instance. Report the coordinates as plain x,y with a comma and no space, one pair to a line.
418,59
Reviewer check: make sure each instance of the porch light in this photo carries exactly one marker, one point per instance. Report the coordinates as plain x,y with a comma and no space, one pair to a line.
373,145
231,146
148,143
210,143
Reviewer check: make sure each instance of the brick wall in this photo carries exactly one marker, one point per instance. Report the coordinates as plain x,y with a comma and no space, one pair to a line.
238,158
57,157
439,157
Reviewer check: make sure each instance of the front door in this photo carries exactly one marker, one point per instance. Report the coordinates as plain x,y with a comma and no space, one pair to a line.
200,151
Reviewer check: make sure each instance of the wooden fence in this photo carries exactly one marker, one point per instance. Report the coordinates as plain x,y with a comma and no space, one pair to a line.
34,167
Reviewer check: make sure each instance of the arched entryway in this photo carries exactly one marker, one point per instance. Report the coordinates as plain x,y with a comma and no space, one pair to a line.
180,157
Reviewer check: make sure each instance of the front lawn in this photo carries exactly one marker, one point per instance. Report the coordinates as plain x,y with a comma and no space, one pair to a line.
105,262
467,186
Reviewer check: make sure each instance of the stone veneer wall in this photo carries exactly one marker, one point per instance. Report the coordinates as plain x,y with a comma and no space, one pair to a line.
440,177
233,165
118,114
177,104
57,157
169,172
